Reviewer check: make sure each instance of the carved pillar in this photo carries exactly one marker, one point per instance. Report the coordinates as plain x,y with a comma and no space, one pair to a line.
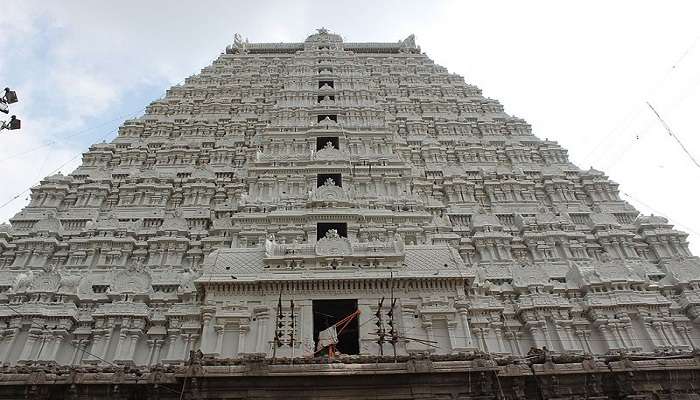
9,340
537,337
219,339
686,333
46,342
121,344
56,341
28,348
151,350
675,330
500,348
261,342
77,346
464,316
451,333
567,338
428,326
661,327
243,329
208,332
172,339
656,341
481,339
135,335
615,330
609,338
186,341
632,335
99,345
158,348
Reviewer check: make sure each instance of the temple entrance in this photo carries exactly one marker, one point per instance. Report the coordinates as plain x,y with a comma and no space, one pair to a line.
329,312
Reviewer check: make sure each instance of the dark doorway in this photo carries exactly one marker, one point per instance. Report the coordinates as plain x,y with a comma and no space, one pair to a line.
327,313
323,227
322,142
321,83
322,178
320,98
332,117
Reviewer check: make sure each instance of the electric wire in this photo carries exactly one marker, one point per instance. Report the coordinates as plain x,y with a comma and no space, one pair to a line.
636,111
134,113
18,195
673,135
673,221
79,133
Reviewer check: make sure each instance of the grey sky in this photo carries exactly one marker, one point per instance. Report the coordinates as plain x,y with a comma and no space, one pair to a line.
579,73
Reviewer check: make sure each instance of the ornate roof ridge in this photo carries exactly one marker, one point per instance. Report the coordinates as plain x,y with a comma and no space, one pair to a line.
241,46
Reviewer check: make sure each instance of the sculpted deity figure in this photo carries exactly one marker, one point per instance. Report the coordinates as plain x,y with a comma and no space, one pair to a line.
239,43
270,243
329,182
50,266
135,265
328,146
332,234
398,242
244,198
23,280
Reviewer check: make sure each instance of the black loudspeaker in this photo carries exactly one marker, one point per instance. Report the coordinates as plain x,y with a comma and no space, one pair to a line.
15,123
10,97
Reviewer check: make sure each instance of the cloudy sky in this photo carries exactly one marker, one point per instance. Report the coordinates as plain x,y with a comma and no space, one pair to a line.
580,74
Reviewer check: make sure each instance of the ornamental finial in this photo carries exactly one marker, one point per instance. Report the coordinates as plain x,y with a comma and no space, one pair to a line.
322,30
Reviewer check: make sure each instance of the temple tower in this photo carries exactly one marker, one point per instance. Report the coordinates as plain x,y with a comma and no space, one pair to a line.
288,186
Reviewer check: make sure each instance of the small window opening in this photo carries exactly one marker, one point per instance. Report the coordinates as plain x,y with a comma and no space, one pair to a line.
330,312
334,179
332,117
322,83
322,98
323,227
323,143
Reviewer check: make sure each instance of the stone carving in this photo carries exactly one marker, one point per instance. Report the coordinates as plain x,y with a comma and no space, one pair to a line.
47,281
23,281
239,44
69,283
408,43
330,153
272,247
326,101
444,196
333,245
132,280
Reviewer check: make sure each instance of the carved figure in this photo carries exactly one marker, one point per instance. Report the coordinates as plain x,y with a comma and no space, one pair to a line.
23,280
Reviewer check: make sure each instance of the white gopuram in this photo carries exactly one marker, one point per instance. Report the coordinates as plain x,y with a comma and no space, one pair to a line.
289,185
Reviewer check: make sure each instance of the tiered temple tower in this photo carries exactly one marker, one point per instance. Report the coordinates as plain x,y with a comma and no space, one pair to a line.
332,175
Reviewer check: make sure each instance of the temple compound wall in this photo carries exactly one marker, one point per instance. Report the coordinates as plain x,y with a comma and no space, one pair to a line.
288,186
